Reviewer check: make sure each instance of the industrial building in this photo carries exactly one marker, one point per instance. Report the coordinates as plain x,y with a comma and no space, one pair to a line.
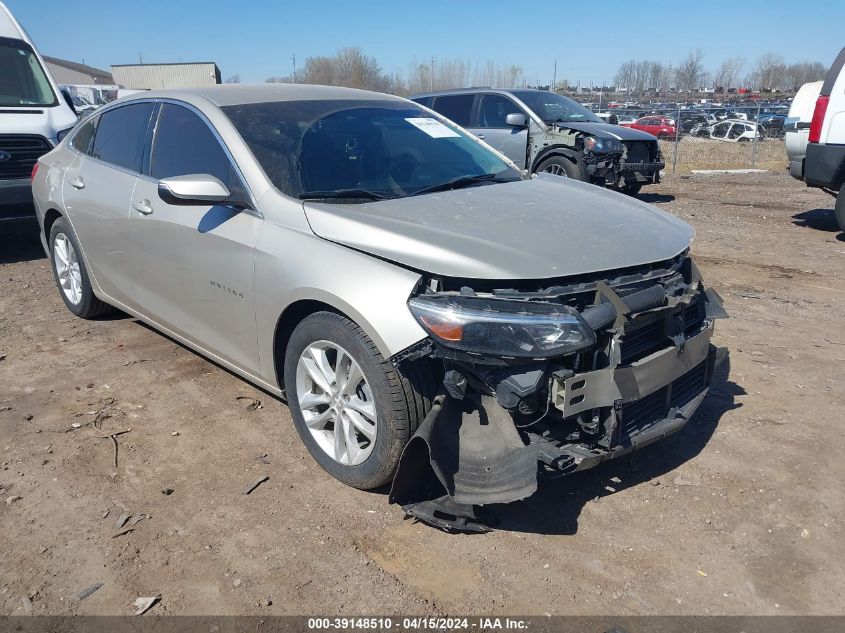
65,72
158,76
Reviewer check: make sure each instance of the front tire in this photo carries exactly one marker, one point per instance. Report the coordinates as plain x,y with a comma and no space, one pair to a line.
354,410
563,167
71,275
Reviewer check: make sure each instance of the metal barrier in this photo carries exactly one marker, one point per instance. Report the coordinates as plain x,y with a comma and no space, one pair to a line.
740,137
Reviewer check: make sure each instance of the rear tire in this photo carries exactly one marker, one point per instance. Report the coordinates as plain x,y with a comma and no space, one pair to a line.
632,189
71,275
397,398
839,209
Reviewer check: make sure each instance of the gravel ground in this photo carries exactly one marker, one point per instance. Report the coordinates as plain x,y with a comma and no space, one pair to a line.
740,513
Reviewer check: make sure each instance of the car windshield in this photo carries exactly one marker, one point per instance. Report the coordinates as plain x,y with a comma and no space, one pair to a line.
23,81
553,107
355,151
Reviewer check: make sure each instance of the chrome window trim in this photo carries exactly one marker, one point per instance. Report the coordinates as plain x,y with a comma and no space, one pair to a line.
157,111
176,102
100,112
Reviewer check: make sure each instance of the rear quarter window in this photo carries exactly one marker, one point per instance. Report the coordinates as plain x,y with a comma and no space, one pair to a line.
83,139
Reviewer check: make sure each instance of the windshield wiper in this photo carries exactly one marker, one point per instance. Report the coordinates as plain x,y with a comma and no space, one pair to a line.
330,194
459,182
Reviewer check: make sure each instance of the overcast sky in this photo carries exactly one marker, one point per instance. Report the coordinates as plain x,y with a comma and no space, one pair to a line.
257,38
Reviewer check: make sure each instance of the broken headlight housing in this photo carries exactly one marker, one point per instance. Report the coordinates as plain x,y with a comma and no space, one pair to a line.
515,329
602,145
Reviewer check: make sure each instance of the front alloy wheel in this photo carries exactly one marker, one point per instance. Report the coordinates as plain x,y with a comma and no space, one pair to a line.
336,402
556,169
353,409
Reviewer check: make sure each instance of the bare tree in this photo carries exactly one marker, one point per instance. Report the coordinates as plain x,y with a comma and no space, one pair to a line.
796,75
727,75
642,75
769,72
625,75
690,73
233,79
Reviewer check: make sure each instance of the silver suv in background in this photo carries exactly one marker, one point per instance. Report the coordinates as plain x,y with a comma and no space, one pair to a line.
408,291
543,131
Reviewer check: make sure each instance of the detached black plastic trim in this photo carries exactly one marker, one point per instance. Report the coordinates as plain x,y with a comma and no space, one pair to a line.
824,165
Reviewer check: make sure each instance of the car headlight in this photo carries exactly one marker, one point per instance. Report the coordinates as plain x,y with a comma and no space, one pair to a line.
502,328
602,145
62,134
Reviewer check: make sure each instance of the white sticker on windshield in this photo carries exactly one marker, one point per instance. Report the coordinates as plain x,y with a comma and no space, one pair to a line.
432,127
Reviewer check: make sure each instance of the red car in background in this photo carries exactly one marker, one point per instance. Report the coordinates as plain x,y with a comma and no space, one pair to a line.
659,126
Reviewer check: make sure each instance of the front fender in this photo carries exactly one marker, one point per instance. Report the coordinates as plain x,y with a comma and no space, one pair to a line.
293,265
557,150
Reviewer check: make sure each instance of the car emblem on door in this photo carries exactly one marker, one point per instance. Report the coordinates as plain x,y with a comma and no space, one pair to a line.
4,156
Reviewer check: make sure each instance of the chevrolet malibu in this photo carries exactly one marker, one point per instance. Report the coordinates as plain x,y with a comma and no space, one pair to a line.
433,317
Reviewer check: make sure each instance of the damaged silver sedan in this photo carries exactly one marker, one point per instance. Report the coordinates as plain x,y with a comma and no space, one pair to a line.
433,317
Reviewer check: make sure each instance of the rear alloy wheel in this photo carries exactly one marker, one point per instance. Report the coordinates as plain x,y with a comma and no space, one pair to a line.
67,268
354,410
71,275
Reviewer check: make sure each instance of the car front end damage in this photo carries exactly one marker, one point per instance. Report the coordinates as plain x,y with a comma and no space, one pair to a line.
550,377
612,155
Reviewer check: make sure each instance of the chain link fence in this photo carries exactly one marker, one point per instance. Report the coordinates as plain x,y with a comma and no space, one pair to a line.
692,138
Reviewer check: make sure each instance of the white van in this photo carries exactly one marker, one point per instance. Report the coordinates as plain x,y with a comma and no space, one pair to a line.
824,165
34,116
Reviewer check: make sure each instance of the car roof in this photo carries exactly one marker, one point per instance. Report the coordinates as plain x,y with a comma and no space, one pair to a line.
237,94
475,90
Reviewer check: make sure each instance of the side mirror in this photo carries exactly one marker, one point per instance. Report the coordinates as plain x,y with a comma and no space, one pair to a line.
194,189
516,120
69,100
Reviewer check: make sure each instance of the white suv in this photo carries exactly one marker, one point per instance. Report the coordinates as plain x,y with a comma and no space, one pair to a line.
824,165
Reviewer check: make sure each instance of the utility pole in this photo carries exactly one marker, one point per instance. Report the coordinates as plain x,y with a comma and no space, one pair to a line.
294,67
431,76
554,78
140,59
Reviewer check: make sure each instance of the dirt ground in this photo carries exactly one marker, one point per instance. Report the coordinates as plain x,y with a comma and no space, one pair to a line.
740,513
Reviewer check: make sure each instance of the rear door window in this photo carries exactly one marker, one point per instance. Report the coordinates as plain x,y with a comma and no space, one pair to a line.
458,108
184,144
121,135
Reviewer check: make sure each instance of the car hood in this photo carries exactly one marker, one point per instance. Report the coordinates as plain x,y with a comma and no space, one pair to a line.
534,229
606,130
41,121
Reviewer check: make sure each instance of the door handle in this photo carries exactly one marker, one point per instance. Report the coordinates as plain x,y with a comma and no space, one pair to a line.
143,206
77,183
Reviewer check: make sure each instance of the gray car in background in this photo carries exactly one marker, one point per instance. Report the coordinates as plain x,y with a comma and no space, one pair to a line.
433,317
542,131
